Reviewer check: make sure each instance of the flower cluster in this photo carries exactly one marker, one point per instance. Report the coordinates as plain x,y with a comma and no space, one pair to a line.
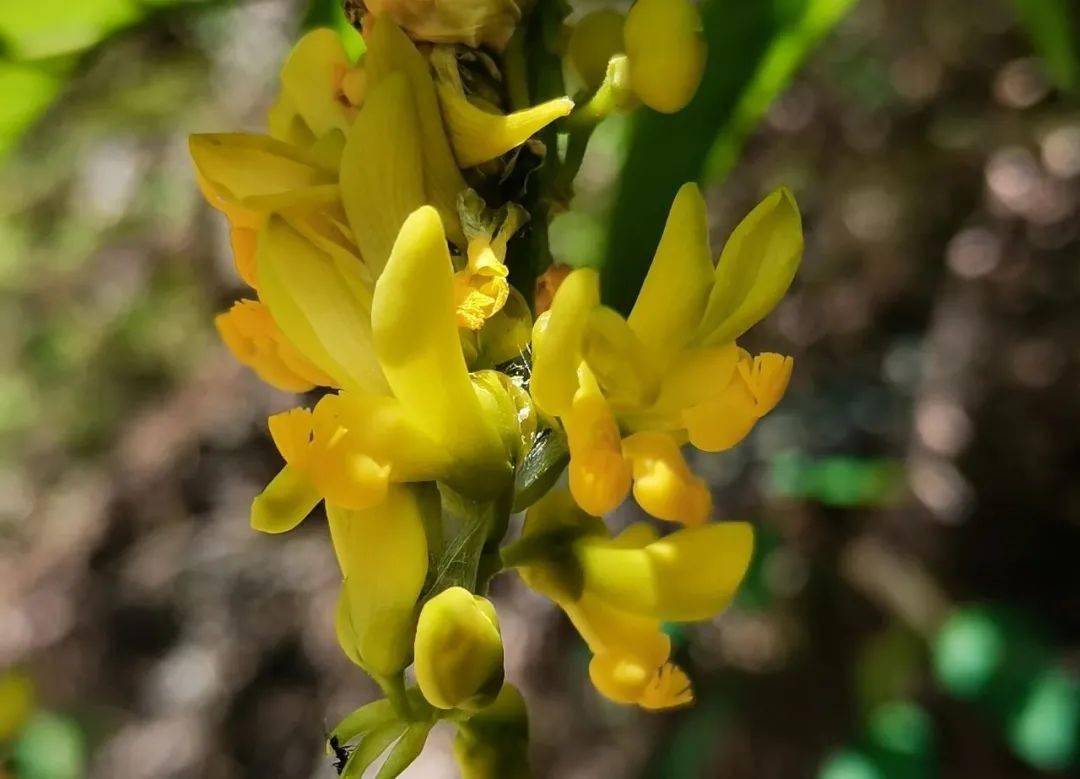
380,279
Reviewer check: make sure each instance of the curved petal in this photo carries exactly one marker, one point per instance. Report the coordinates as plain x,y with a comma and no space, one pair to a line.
384,559
676,289
311,78
416,336
479,136
382,179
755,269
389,50
664,485
689,575
557,340
287,499
311,297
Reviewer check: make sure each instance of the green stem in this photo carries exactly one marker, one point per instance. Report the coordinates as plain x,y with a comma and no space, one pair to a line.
393,688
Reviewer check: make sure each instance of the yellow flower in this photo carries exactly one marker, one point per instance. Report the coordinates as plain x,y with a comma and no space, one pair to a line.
630,391
617,591
481,288
478,133
313,86
409,410
251,335
472,22
458,651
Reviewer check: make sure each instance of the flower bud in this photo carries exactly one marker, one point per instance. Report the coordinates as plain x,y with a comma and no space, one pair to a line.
458,651
667,52
595,40
473,22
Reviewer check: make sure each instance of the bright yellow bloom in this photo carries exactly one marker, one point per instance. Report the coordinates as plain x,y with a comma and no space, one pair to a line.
481,288
409,410
617,591
257,342
630,391
458,651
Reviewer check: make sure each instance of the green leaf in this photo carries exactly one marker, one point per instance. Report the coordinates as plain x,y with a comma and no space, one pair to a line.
49,28
405,751
784,57
754,48
1052,27
363,720
373,745
28,90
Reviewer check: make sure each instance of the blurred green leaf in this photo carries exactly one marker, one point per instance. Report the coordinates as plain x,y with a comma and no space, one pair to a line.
1051,25
754,48
786,53
28,90
51,747
47,28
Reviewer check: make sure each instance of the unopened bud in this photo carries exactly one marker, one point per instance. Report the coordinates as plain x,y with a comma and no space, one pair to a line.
458,651
667,52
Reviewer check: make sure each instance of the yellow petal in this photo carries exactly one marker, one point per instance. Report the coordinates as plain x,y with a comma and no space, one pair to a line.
620,363
389,51
381,427
383,556
768,377
720,422
256,341
382,181
557,353
667,52
312,77
481,289
333,458
287,499
755,269
669,688
673,295
242,240
479,135
599,475
692,378
689,575
236,166
285,124
596,38
311,298
663,483
416,336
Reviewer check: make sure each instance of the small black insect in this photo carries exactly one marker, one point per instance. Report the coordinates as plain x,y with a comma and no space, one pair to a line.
341,755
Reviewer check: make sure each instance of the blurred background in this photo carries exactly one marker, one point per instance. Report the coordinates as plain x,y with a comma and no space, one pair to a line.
914,606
